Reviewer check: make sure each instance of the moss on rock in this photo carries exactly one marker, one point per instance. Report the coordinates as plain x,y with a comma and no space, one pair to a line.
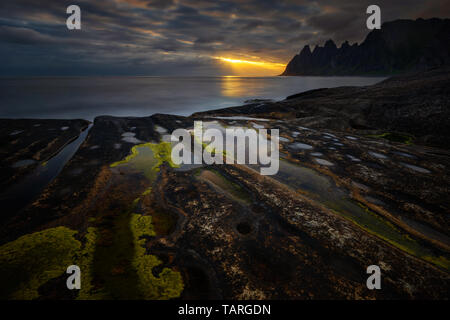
147,158
33,259
168,284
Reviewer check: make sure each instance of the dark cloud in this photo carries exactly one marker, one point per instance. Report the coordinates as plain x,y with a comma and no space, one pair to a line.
180,36
160,4
24,36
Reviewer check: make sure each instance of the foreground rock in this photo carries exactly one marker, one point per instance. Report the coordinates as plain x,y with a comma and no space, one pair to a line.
231,233
25,143
142,228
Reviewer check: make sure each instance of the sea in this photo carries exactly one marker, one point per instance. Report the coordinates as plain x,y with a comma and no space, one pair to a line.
88,97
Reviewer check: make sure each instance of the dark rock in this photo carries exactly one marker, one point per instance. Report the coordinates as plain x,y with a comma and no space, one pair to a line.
32,139
416,104
399,46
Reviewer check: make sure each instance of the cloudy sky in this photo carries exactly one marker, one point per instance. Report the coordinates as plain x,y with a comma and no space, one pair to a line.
182,37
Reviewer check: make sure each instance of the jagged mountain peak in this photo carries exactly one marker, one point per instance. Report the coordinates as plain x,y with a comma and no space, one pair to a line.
330,44
399,46
306,50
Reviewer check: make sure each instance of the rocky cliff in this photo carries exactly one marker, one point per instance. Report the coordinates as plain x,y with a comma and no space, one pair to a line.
399,46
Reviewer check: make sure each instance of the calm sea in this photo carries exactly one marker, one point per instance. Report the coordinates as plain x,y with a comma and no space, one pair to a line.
88,97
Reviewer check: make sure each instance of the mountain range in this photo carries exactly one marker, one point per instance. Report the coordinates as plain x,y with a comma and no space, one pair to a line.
399,46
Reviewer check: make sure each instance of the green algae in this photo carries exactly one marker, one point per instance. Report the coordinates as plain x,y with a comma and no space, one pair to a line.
211,150
134,153
120,269
168,284
230,187
111,266
147,158
85,262
334,198
395,137
147,191
385,230
33,259
162,152
124,267
136,202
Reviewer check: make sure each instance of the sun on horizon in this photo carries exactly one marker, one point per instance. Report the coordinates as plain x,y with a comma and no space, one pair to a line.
239,67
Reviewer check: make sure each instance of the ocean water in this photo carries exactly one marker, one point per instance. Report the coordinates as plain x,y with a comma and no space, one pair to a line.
88,97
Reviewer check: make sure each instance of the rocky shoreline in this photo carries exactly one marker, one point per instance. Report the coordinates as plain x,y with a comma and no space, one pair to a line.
364,180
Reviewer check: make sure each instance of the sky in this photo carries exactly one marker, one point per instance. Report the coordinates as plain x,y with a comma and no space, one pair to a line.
182,37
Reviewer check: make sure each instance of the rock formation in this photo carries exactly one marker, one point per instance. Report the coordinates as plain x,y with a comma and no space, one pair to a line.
399,46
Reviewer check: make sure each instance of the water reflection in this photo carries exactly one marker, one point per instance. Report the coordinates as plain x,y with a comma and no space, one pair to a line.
232,87
88,97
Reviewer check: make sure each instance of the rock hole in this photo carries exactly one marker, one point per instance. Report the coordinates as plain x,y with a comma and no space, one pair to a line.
244,228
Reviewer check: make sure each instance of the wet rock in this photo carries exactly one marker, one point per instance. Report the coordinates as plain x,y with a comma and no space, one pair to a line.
377,155
308,232
323,162
33,143
300,146
415,168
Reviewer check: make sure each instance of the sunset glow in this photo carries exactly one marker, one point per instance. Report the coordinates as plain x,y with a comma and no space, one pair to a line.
258,63
257,68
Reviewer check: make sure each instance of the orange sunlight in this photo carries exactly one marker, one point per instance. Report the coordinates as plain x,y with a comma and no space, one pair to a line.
252,68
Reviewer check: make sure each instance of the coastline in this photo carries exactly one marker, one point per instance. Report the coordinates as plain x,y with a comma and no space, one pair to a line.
384,176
